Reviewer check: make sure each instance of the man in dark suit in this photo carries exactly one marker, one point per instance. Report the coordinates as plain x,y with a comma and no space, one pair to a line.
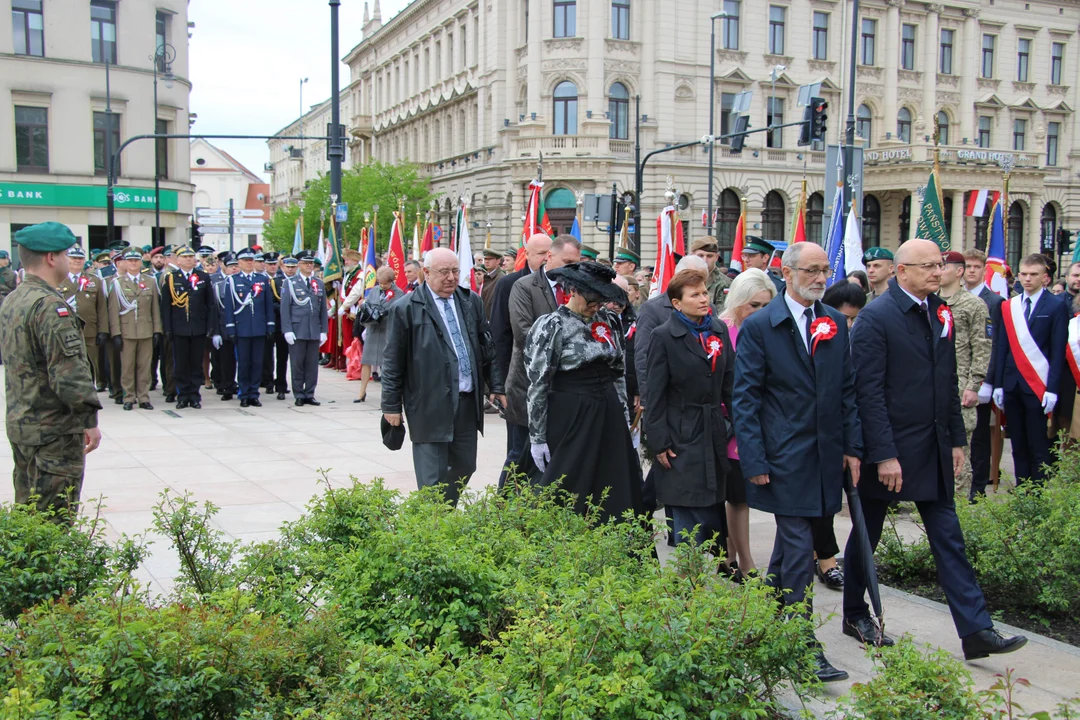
537,251
438,357
974,274
913,435
188,317
1028,362
795,418
531,298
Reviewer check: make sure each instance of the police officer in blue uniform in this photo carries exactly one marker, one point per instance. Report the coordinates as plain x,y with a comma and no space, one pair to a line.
276,352
249,322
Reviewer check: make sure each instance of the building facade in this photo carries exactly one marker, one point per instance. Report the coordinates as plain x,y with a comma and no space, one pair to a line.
53,86
476,92
221,179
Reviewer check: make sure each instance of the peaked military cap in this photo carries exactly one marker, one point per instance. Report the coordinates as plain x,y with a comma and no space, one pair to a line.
589,252
289,261
877,253
488,252
184,251
132,255
245,254
757,245
76,252
229,259
271,257
46,237
627,255
205,251
510,253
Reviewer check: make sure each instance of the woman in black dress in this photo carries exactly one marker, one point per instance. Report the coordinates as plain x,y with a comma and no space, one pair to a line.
579,425
691,370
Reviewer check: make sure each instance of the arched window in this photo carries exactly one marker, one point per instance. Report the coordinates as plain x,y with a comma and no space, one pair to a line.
566,108
815,209
1049,225
561,207
772,218
903,125
728,209
864,124
619,112
943,127
871,222
1014,243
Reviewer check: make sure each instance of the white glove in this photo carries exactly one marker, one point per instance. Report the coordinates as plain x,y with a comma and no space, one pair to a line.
322,338
290,337
1049,401
999,397
217,342
986,390
341,310
541,456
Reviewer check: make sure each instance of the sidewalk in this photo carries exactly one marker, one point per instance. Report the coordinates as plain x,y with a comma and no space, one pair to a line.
260,466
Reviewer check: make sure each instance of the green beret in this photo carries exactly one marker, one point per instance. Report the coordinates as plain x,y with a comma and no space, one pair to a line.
488,252
589,252
4,255
87,265
184,251
757,245
46,237
627,255
146,248
877,253
510,253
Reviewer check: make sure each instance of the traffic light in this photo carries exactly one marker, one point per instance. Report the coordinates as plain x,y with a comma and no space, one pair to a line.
742,122
1064,241
814,117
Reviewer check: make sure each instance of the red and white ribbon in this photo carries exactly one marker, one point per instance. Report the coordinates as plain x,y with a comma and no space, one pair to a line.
83,281
823,328
256,289
944,314
1072,350
713,347
1029,359
602,333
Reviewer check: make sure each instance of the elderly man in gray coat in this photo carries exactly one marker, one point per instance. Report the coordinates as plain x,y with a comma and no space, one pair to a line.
438,357
303,324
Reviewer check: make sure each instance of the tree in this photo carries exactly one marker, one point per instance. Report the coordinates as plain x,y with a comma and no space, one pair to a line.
362,187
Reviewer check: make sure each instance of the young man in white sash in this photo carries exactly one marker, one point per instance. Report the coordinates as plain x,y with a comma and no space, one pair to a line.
1029,359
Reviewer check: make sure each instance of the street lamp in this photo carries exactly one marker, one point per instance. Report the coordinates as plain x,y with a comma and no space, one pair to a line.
162,59
302,82
712,106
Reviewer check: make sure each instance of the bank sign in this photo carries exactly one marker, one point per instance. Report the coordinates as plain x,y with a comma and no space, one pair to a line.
84,196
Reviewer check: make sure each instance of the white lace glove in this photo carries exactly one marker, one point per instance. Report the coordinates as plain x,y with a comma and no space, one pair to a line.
217,342
999,397
986,390
541,456
290,337
1049,402
322,338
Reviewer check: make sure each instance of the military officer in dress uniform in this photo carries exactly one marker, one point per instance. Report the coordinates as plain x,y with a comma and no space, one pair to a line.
221,342
626,261
493,272
249,321
51,404
188,317
589,253
304,322
84,291
135,326
276,351
757,253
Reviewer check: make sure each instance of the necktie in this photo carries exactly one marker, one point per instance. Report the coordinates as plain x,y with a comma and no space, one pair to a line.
809,313
464,366
1027,309
924,310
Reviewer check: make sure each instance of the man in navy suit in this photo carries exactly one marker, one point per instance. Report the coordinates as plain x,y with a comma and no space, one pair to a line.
1028,362
913,435
795,418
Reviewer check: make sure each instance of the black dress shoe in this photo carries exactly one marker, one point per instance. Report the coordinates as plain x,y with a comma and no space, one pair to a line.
171,398
196,405
119,400
244,403
254,402
312,401
220,391
990,642
129,406
833,578
865,630
100,389
299,402
825,671
181,404
146,406
225,397
281,396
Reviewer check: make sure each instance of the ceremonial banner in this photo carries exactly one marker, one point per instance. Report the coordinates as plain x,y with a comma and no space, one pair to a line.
298,235
798,226
664,269
931,224
332,267
467,276
740,240
834,245
395,258
853,250
994,276
369,261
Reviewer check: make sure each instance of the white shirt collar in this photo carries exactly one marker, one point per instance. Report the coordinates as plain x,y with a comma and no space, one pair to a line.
72,276
796,308
1035,296
132,278
977,290
917,300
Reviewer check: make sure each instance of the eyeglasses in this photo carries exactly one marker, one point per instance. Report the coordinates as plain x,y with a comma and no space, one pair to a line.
925,266
445,272
815,271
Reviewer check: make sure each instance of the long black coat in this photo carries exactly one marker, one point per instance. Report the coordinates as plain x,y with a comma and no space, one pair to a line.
905,375
200,316
654,313
501,332
419,366
684,413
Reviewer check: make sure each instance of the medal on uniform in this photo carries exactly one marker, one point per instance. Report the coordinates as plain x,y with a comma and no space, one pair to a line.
821,329
944,314
713,347
602,333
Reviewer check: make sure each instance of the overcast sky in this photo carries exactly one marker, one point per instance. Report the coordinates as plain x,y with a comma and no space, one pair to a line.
247,59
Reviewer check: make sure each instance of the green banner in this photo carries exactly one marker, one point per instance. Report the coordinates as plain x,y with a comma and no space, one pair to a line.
932,218
84,196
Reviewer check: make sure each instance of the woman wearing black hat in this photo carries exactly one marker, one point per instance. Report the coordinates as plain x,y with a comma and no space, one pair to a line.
691,371
578,417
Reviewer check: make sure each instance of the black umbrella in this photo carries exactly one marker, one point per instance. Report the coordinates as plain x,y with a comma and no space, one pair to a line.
865,551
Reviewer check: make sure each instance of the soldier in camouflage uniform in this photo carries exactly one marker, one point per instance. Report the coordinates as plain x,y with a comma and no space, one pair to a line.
84,291
879,270
971,333
51,403
7,276
717,282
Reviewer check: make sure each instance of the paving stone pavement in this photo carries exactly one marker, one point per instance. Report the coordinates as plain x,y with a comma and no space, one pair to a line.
260,466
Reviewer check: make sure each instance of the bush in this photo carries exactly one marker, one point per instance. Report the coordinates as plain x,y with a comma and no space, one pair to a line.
1022,545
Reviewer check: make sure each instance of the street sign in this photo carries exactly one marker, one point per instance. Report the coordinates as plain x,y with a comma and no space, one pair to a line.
212,212
212,230
211,220
342,214
249,213
248,225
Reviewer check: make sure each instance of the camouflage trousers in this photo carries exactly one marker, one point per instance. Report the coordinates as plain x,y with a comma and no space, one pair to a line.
963,480
53,472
